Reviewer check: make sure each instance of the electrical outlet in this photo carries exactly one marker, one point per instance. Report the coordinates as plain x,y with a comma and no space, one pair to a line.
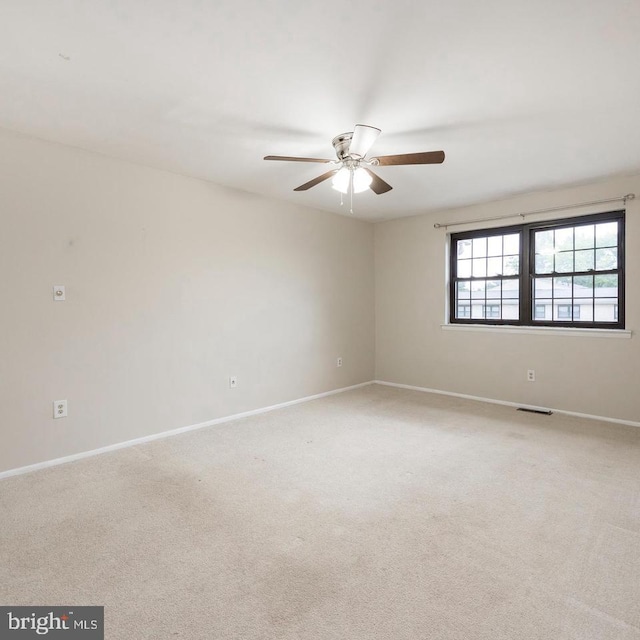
233,382
531,375
59,408
339,362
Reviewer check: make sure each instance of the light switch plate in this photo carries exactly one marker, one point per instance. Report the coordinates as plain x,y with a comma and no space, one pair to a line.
58,292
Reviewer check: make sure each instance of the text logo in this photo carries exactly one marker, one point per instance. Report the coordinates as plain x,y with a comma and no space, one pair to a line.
72,623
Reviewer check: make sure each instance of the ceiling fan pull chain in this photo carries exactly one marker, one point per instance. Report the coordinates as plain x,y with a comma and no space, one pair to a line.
351,192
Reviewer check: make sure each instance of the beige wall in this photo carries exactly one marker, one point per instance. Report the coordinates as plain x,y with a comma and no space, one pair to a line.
172,285
597,376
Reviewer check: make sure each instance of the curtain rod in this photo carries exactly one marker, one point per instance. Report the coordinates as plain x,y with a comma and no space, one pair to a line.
629,196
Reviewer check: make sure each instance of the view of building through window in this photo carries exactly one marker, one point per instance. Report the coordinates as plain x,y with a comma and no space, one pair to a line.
554,297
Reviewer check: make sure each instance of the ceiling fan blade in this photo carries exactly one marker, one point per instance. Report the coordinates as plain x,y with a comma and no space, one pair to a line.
294,159
378,185
427,157
362,140
315,181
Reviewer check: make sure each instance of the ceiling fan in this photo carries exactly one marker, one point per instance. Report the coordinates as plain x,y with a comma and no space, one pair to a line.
351,173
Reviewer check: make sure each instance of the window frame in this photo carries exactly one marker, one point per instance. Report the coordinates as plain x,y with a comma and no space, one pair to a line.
526,304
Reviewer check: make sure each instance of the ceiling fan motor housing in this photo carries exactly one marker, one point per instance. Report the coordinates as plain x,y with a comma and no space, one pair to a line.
341,144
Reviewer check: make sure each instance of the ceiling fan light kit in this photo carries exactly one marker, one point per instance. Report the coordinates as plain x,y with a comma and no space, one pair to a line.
358,180
351,173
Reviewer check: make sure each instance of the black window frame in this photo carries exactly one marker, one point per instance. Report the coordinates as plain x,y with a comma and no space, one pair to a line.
527,272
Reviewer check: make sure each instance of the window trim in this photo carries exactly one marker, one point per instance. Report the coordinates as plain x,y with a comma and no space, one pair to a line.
527,265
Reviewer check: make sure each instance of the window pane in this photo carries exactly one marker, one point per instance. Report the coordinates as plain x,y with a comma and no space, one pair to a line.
583,312
606,259
511,266
586,310
607,234
564,262
544,263
510,289
493,289
583,287
562,287
585,236
563,239
494,247
494,266
464,248
606,286
606,310
464,289
479,247
584,260
479,267
544,242
512,244
510,310
562,310
463,311
492,311
477,311
464,268
542,287
477,290
540,311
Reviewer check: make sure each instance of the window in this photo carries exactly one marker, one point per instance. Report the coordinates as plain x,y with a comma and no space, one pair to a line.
487,270
564,272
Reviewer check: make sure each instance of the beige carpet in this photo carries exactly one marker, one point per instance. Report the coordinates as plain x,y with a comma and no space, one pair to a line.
374,514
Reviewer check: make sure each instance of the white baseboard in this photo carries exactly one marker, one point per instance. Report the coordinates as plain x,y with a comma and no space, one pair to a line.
209,423
588,416
174,432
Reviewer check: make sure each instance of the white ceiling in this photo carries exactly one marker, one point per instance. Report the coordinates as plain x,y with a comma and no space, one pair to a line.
521,95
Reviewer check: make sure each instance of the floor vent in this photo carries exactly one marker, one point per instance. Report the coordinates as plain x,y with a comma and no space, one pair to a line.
540,411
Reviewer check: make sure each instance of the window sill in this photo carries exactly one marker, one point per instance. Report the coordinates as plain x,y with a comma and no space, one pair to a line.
540,331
